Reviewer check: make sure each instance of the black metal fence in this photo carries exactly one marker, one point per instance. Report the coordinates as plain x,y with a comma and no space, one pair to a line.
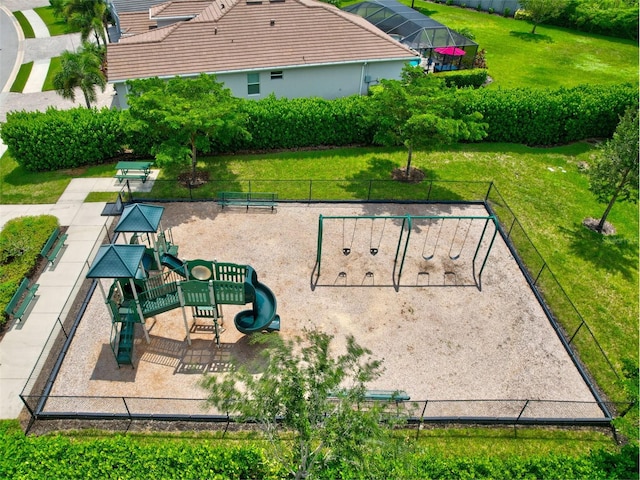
569,324
499,412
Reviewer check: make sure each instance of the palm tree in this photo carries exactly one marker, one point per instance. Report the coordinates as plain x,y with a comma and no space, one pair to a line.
80,70
88,16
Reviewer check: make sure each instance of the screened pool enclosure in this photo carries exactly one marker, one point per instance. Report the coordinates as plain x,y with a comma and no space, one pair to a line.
416,31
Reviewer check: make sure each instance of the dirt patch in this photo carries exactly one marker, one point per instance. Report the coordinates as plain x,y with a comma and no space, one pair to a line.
592,224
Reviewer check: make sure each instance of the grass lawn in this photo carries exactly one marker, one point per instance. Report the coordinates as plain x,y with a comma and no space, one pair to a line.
27,30
22,77
544,188
56,26
18,185
553,57
54,68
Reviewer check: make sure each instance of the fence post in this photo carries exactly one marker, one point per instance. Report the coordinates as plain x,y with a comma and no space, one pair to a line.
535,282
424,409
124,401
429,190
66,335
522,411
486,197
310,190
511,227
576,332
369,192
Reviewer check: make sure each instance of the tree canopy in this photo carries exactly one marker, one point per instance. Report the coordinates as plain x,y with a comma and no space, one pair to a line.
308,397
614,174
542,10
183,115
420,111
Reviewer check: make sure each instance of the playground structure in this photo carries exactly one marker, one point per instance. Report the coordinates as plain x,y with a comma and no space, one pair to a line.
150,279
452,248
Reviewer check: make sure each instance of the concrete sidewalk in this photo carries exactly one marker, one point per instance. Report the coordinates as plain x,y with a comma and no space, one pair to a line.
23,342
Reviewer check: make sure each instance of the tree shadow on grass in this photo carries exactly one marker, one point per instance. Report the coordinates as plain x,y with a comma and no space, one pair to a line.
613,253
375,183
531,37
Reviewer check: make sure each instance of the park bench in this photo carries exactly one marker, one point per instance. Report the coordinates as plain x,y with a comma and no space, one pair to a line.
21,299
133,171
397,396
53,246
248,199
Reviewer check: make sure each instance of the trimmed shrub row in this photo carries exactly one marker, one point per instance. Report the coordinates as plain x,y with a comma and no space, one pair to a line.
60,139
551,117
71,138
465,78
125,457
21,240
306,122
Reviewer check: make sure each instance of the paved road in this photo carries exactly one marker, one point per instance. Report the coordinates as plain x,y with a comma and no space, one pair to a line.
8,48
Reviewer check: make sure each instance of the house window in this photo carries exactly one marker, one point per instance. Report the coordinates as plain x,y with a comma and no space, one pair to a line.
253,83
277,75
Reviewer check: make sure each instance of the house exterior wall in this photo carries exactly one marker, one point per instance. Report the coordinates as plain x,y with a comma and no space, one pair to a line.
327,81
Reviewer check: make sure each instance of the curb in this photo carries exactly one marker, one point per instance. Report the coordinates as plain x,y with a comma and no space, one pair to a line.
20,54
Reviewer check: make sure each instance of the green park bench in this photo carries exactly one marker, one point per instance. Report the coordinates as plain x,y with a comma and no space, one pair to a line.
21,299
248,199
384,395
133,171
53,246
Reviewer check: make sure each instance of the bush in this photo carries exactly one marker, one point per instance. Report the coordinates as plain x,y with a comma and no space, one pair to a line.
465,78
551,117
21,240
281,123
59,139
507,12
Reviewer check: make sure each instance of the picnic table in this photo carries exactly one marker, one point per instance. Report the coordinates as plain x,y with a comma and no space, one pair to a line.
133,171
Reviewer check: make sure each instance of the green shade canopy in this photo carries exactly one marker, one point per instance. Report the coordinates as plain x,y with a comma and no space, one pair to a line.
140,218
116,261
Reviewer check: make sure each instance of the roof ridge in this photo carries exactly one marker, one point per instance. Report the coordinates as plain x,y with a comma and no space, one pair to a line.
215,11
352,18
153,36
157,9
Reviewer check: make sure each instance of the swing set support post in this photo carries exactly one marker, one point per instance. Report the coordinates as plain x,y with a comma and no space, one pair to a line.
493,219
319,248
406,220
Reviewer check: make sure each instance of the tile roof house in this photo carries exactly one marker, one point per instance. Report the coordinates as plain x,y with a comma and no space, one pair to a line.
291,48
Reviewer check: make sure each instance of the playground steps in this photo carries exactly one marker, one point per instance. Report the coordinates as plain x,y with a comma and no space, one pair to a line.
125,344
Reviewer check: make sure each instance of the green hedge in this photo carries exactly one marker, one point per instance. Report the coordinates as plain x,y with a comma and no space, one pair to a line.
306,122
125,457
613,18
21,240
465,78
551,117
59,139
65,139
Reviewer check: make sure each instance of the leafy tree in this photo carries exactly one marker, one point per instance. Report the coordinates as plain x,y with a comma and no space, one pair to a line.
80,70
308,398
614,174
542,10
421,111
186,115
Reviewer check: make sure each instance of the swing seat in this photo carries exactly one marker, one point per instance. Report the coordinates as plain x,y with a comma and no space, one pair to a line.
346,251
374,251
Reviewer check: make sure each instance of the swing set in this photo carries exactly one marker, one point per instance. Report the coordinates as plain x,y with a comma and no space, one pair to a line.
434,244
